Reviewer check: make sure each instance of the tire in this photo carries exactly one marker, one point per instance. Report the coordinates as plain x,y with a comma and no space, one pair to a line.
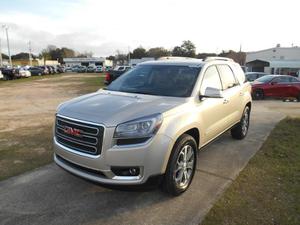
184,156
298,98
241,129
259,94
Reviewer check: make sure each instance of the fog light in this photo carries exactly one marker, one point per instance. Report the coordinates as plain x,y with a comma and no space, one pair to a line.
125,171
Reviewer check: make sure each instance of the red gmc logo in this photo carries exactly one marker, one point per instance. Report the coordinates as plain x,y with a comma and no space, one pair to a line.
72,131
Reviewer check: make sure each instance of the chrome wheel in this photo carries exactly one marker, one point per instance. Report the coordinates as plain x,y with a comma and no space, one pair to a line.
184,166
245,122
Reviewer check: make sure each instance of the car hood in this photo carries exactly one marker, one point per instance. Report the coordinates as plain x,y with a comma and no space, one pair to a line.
112,108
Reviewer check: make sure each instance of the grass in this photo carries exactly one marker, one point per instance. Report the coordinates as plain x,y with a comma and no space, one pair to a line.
27,148
267,192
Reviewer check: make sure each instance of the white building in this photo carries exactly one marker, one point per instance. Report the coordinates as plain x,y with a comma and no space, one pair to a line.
278,60
95,61
134,62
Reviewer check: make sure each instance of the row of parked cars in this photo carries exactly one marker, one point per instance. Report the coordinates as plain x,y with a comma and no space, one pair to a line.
10,73
278,86
88,69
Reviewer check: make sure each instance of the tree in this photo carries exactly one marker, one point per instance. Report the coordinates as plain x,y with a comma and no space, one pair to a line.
158,52
187,49
22,55
238,57
138,53
177,51
4,56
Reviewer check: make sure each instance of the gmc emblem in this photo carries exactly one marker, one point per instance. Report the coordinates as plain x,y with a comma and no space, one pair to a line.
72,131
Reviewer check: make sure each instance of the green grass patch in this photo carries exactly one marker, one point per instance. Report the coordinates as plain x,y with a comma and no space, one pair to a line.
25,149
267,191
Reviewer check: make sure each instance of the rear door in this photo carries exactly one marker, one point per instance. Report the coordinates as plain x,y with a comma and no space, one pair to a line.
232,95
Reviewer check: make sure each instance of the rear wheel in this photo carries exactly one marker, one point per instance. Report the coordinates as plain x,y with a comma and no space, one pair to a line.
298,98
259,94
181,166
241,129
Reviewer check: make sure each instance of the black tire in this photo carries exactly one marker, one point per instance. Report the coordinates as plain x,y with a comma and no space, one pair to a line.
240,130
298,98
170,185
259,94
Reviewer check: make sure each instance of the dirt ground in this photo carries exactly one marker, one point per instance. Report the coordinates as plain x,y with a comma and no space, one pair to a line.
33,103
26,117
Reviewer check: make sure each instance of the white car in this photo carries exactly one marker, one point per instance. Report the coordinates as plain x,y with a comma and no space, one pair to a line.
24,72
1,75
99,69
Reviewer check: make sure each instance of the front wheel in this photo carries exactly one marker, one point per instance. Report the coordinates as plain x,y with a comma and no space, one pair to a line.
259,94
241,129
181,166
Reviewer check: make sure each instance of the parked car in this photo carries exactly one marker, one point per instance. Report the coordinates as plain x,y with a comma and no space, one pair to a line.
107,68
51,70
60,69
45,70
75,68
150,122
91,69
81,69
282,86
68,69
10,73
1,75
99,69
251,76
23,72
36,71
114,74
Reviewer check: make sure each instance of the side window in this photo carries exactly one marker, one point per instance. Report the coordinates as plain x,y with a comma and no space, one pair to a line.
281,80
293,80
227,77
211,79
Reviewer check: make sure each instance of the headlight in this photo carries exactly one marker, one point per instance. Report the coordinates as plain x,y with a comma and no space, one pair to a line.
142,127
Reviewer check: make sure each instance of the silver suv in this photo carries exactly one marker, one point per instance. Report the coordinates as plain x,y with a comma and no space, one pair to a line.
150,122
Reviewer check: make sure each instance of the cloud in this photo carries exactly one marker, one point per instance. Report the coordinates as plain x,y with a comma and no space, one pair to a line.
105,26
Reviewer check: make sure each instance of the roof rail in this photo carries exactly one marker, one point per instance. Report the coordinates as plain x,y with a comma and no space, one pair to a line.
207,59
176,58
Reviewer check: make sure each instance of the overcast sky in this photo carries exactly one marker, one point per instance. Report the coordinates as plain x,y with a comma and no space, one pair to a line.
104,26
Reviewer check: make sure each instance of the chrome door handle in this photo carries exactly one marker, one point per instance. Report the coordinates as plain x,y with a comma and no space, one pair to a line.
225,101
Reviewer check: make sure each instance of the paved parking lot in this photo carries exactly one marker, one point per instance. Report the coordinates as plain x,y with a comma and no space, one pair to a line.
51,196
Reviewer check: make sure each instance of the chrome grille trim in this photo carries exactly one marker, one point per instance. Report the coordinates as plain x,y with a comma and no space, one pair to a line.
88,141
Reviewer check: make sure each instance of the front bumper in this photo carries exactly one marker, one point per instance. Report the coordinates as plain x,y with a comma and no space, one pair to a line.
150,157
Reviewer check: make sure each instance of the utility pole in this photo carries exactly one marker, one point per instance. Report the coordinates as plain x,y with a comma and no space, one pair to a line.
30,57
7,39
128,56
1,62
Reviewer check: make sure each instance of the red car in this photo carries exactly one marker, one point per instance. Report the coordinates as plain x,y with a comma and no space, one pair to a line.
276,86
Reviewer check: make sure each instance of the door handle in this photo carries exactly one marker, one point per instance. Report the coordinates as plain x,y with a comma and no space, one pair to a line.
241,93
225,101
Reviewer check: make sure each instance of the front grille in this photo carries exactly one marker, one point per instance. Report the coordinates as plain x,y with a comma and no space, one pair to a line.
79,136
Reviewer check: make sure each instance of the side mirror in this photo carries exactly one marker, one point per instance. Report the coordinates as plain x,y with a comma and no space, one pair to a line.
211,92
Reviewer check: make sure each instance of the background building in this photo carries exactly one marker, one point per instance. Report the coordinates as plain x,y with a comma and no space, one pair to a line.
96,61
278,60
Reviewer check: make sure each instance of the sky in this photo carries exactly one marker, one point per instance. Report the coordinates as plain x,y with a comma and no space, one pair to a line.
103,27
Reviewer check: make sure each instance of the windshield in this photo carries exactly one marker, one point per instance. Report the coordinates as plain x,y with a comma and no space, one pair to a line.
264,79
163,80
